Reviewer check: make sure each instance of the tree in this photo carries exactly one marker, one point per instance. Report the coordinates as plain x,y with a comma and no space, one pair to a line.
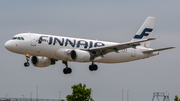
176,98
80,93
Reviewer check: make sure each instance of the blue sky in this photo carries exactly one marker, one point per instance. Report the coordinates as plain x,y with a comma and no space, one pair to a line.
115,20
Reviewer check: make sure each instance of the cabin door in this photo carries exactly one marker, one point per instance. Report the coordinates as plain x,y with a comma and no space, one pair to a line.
33,39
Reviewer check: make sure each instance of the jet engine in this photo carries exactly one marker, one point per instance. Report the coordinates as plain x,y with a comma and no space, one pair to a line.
63,54
39,61
80,55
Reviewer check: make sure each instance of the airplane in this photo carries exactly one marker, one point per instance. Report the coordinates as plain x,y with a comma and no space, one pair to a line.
46,50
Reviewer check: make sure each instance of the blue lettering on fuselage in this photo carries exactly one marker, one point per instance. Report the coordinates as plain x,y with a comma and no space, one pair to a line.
41,39
99,44
50,40
57,40
70,42
82,42
73,42
90,44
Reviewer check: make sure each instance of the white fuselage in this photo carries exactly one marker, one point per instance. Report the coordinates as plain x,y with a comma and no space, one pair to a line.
47,46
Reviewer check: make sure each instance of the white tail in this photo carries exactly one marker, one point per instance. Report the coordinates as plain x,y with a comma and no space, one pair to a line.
145,31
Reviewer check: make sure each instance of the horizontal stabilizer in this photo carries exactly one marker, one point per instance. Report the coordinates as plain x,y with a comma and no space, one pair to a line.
155,50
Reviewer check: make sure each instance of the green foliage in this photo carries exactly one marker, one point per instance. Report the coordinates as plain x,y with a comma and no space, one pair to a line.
62,100
80,93
176,98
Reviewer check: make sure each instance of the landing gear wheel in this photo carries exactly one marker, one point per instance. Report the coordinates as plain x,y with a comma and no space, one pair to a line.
93,67
26,64
67,70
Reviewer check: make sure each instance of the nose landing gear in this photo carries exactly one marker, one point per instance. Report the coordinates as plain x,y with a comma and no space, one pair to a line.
26,64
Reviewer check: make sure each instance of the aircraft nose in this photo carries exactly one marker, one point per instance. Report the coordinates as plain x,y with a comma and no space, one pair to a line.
7,45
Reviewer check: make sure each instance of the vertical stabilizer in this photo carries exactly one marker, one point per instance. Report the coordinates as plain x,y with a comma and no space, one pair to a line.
145,31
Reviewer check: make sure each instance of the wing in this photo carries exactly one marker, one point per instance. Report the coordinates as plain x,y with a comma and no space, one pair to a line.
100,51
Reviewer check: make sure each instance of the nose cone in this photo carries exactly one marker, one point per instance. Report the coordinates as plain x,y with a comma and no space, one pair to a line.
8,45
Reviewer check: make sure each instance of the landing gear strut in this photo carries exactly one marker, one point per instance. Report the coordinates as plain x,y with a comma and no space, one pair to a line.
26,64
93,67
66,70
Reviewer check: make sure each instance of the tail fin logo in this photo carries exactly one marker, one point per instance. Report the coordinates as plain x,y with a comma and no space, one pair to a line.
144,33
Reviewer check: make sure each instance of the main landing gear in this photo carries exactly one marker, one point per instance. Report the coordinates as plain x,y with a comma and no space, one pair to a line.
26,64
66,70
93,67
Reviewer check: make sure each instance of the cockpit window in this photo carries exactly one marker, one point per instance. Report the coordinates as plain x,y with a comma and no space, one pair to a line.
14,38
17,38
22,38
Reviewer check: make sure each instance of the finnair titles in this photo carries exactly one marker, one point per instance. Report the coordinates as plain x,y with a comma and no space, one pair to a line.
46,50
73,43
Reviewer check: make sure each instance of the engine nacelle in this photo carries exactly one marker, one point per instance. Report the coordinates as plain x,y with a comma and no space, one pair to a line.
80,55
63,54
39,61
